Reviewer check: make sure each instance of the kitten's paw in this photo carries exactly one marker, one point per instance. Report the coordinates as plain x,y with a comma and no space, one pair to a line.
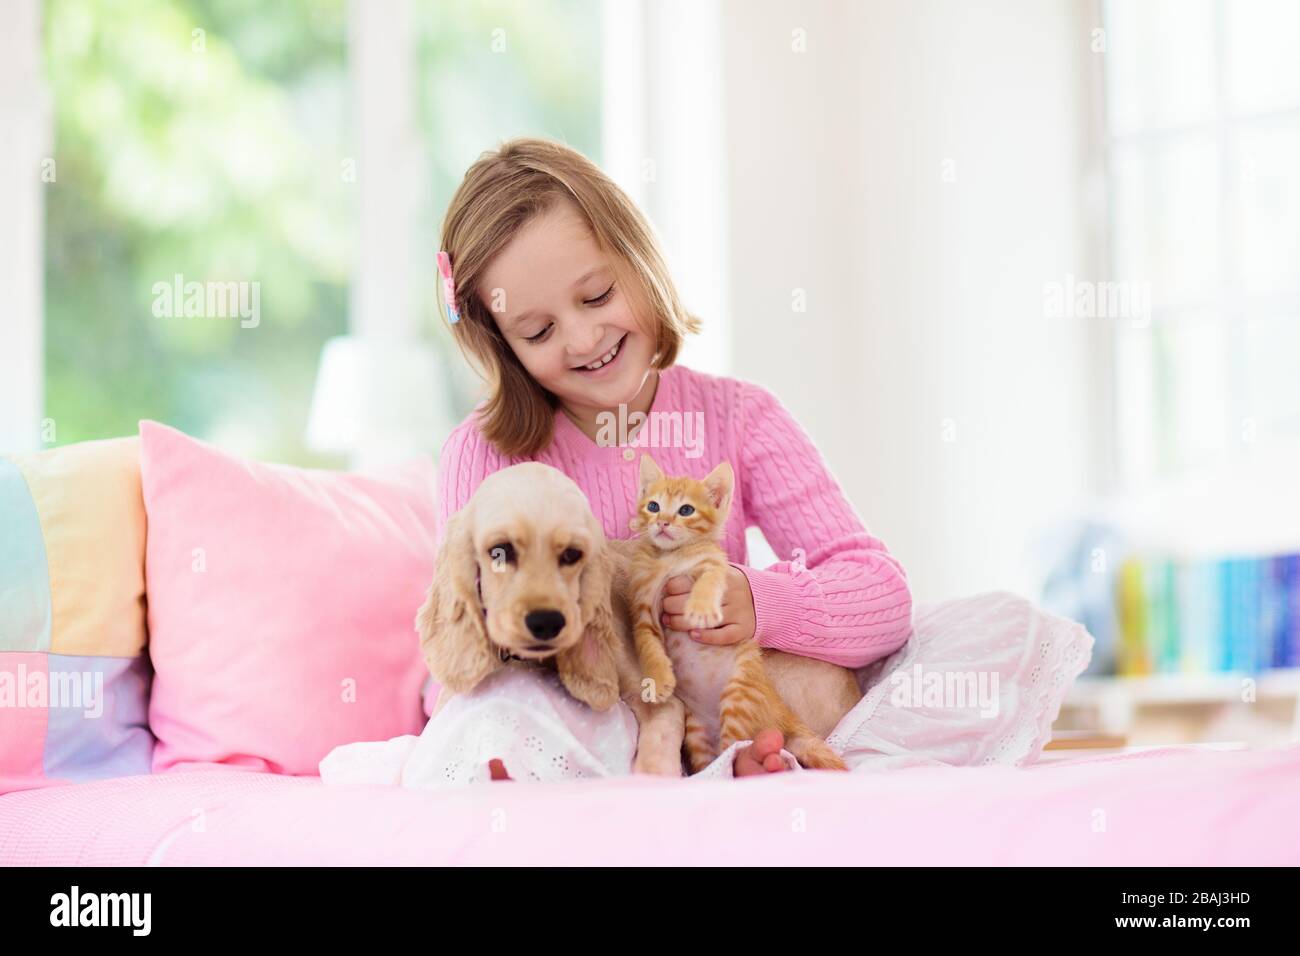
658,684
701,612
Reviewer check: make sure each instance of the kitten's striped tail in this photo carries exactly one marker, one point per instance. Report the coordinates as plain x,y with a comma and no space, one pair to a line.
814,753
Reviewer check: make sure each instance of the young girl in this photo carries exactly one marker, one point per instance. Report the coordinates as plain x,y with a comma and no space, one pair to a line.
557,291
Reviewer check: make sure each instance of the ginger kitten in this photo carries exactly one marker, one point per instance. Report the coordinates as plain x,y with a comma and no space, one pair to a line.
727,691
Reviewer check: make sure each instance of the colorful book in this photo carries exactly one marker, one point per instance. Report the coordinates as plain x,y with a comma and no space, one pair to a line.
1289,632
1197,614
1132,655
1250,602
1162,618
1272,616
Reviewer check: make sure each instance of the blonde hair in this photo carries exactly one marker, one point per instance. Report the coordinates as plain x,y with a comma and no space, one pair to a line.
504,190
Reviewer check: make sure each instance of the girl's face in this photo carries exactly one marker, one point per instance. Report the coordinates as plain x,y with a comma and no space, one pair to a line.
557,301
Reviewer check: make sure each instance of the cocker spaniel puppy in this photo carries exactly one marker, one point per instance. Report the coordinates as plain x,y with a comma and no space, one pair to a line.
525,573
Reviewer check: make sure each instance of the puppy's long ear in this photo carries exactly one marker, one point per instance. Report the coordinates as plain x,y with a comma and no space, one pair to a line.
450,624
589,669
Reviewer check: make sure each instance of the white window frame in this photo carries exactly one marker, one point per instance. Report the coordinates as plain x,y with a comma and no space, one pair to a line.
25,117
1134,473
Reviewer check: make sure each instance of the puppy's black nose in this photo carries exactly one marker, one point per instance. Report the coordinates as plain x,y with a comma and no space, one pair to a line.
544,625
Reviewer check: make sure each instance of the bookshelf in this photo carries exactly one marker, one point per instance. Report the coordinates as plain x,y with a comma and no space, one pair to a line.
1114,702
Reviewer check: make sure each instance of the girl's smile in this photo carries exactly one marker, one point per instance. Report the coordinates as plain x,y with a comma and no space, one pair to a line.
603,364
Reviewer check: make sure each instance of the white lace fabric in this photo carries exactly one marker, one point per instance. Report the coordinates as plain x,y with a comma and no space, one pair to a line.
997,639
524,717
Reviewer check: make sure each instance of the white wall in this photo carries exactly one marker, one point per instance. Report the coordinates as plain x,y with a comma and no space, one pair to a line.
924,297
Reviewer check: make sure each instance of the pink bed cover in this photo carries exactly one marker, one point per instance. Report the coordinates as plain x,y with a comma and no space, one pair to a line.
1166,807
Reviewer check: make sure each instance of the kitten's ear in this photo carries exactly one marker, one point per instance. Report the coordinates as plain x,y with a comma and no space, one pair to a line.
719,483
650,472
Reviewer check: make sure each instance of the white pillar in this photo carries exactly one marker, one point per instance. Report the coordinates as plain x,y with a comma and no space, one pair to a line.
381,66
664,143
380,394
24,159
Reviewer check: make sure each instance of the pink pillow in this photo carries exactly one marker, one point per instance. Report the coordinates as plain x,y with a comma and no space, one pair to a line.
281,605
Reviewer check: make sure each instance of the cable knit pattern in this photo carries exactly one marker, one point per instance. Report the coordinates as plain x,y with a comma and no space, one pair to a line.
838,595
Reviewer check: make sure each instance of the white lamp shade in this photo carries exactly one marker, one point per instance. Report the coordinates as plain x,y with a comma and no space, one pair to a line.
378,400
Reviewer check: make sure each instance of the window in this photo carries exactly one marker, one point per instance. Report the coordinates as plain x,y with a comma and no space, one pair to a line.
205,145
199,141
1203,116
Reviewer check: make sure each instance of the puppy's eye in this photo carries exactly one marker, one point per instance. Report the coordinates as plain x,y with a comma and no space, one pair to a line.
570,556
685,510
652,507
505,551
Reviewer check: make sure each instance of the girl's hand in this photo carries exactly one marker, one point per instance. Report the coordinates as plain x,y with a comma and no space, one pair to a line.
738,620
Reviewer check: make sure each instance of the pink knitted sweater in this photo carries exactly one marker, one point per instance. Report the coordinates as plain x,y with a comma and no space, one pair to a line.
838,595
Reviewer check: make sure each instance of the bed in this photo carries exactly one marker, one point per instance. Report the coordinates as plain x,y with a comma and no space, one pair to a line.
1092,810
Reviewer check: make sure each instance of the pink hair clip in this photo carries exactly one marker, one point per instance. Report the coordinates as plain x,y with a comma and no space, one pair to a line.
448,287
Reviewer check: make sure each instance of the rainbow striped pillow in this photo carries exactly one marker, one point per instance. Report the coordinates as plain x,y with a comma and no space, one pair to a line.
74,673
